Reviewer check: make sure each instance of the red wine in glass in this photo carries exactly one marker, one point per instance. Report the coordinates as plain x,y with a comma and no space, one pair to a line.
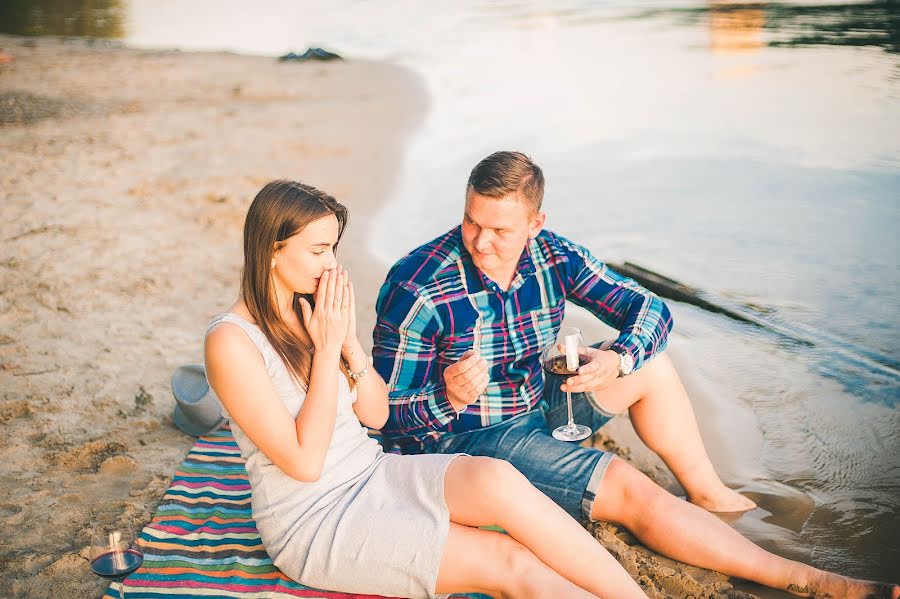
117,564
557,366
114,553
556,359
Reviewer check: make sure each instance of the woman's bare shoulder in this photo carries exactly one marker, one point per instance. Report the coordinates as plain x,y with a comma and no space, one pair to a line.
227,341
225,334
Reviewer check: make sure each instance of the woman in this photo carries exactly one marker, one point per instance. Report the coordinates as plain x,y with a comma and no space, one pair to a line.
333,510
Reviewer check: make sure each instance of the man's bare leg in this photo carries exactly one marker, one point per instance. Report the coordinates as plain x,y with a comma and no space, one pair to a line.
663,418
680,530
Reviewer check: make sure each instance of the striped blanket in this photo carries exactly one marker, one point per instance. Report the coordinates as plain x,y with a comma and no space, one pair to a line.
203,542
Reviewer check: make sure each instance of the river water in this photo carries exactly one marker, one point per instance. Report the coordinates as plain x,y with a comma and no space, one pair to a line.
750,150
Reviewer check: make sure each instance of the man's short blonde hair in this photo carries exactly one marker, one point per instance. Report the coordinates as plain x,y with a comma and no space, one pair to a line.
508,173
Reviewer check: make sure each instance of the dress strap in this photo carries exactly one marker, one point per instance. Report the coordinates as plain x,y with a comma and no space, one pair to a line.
252,331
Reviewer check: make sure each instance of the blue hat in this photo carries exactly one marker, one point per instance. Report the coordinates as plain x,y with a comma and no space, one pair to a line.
197,409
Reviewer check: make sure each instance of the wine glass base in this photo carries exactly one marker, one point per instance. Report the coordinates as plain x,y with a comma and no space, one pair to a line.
571,432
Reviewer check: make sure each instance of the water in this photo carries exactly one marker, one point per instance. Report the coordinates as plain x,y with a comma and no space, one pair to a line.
750,150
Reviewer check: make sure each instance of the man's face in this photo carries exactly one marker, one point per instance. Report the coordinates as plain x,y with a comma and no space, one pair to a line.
496,231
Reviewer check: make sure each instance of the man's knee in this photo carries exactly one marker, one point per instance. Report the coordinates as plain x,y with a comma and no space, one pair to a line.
653,378
660,366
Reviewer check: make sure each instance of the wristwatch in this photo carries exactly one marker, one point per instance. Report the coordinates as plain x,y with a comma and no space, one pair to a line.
626,362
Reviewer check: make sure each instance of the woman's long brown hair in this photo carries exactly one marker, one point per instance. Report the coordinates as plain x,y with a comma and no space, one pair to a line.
280,210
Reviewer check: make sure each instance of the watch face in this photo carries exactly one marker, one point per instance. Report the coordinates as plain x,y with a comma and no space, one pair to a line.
626,364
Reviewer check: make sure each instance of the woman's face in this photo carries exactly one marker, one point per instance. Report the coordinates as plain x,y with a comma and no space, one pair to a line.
303,258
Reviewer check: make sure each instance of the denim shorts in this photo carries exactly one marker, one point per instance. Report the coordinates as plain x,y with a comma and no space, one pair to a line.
566,472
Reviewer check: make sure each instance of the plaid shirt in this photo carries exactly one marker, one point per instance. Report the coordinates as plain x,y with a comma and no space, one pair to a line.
435,304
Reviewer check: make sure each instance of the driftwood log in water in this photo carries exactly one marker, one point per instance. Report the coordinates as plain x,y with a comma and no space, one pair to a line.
850,355
674,290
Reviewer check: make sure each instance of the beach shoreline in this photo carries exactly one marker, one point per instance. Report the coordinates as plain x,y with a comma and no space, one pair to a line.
126,177
127,174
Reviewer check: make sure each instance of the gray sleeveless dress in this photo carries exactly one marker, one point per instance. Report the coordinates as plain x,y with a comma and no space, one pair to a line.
374,523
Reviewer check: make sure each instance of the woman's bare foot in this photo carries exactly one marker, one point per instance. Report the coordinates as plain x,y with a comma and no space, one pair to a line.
826,584
722,500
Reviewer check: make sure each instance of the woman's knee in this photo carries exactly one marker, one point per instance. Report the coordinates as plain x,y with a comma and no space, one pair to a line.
497,478
492,473
478,490
626,494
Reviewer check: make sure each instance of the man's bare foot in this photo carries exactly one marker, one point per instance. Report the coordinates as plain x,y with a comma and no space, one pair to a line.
826,584
723,500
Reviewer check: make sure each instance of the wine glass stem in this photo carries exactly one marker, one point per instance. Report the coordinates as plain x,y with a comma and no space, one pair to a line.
121,588
569,404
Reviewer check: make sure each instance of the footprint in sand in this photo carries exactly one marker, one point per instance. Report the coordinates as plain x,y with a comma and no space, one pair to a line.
88,456
7,510
119,465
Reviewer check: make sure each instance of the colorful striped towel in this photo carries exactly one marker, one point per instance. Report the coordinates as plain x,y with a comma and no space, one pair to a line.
203,542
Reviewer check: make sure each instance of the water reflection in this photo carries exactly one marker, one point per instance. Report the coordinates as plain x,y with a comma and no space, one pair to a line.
866,24
84,18
875,23
736,27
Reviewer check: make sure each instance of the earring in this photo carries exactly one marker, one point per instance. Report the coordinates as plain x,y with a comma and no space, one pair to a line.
273,264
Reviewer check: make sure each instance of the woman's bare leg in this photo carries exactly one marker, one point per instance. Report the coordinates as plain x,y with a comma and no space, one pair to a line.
484,491
492,563
683,531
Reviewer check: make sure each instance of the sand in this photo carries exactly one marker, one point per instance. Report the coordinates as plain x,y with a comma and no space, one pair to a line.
125,178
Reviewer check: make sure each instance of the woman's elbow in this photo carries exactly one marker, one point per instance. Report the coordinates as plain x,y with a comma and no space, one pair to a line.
381,420
309,478
378,418
372,414
303,469
305,474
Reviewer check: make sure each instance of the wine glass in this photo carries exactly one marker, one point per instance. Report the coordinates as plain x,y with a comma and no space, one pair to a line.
562,359
114,553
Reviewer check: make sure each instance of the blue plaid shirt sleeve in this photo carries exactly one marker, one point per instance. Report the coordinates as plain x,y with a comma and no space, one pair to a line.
641,317
404,354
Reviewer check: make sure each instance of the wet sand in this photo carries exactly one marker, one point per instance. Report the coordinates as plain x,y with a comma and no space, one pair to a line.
126,175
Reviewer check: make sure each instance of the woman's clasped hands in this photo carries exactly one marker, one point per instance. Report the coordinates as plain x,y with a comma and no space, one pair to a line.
331,323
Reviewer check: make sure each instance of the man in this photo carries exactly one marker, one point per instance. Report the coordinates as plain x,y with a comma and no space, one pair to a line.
461,324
